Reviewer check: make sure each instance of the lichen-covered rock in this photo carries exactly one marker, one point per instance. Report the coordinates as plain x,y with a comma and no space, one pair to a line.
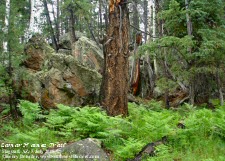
65,51
157,92
59,78
65,40
34,52
84,150
88,53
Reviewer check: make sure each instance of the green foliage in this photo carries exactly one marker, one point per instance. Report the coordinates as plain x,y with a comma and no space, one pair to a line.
30,112
202,137
220,122
190,58
10,70
174,16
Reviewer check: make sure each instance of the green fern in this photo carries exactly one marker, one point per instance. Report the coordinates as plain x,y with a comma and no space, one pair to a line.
30,112
125,136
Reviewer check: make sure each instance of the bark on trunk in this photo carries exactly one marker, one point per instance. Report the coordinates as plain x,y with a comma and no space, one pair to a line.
135,19
106,18
154,35
72,28
57,21
150,69
189,23
189,31
145,19
8,42
50,26
6,30
100,16
115,82
30,29
220,88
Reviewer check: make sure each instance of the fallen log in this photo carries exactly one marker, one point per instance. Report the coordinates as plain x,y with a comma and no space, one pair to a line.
149,149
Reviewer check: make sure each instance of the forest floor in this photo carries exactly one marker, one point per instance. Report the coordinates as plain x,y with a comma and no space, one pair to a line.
192,133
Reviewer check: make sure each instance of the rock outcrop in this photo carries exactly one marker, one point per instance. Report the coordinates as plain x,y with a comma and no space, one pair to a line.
88,53
54,78
86,150
65,40
85,50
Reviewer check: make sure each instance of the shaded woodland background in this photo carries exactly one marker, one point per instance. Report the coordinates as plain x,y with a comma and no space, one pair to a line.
157,67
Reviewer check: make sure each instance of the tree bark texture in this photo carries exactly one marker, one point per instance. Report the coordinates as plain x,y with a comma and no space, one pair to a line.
100,17
50,25
135,19
219,84
145,15
72,28
116,53
57,20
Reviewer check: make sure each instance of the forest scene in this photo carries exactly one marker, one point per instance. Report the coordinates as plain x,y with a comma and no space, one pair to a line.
112,80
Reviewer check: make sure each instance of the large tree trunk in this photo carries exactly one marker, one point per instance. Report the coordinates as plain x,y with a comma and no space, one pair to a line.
116,53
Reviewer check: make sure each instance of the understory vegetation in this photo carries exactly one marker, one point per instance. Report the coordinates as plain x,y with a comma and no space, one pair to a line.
202,138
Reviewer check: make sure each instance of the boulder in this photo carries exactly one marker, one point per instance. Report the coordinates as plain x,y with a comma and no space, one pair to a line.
88,53
157,93
34,52
65,40
65,51
84,150
58,78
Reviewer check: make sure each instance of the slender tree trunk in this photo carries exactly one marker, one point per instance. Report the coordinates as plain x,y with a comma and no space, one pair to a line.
30,29
149,64
106,18
154,34
8,64
53,37
220,88
6,45
66,24
159,23
188,19
134,34
135,19
100,16
115,82
61,21
6,30
145,19
189,31
57,20
72,28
